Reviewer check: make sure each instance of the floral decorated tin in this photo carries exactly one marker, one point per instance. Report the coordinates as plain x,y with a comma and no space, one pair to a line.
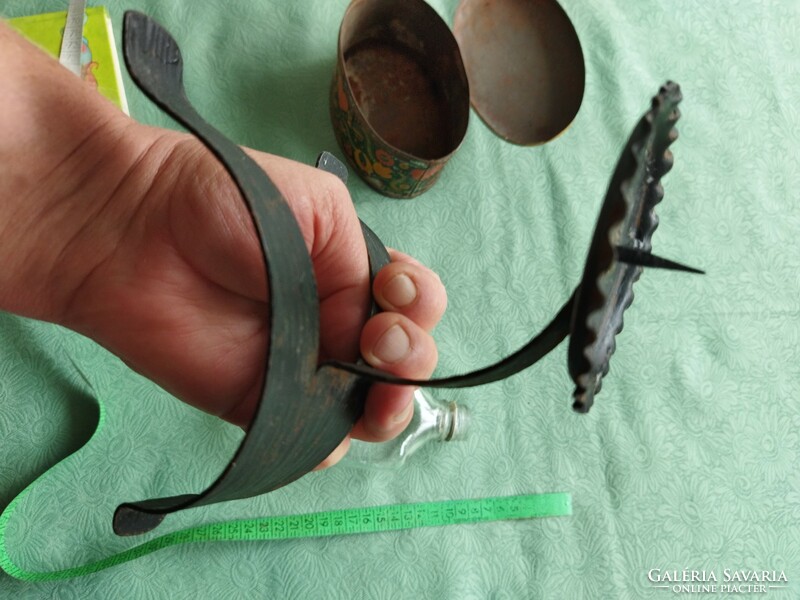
399,98
404,83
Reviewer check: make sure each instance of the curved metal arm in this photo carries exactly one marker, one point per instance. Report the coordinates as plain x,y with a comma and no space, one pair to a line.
306,410
302,415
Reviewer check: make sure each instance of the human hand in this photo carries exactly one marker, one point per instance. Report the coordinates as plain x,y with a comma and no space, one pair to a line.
137,238
182,297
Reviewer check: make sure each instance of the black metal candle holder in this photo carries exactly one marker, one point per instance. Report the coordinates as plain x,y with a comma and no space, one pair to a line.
307,408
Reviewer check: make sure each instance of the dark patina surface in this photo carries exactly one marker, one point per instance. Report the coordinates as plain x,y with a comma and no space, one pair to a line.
307,408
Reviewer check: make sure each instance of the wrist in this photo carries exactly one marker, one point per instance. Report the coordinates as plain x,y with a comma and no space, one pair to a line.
71,167
56,137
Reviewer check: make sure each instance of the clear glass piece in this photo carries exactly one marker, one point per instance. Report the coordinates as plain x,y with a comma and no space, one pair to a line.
434,420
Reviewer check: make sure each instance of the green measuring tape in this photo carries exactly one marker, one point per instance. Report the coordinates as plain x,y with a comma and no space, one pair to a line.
335,522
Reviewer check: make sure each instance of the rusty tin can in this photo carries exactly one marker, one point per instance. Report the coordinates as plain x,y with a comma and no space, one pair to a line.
400,98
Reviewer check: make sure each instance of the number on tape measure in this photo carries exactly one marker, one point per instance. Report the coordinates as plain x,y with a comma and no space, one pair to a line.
330,523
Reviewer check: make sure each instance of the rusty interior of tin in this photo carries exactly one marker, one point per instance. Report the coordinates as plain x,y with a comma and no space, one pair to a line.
525,66
405,71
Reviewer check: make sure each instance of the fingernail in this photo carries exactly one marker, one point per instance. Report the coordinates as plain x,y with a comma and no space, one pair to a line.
403,415
400,291
393,345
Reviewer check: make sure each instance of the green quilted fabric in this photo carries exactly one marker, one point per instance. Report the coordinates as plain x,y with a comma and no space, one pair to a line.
689,459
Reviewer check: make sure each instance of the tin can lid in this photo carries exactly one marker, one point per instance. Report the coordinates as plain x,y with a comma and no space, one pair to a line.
524,65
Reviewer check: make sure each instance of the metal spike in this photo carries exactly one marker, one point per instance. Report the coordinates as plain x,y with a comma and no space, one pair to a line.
632,256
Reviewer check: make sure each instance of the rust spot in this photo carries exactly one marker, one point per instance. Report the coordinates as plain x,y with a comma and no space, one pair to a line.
399,98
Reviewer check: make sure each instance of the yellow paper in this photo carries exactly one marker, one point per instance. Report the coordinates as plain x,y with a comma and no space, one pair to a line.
99,61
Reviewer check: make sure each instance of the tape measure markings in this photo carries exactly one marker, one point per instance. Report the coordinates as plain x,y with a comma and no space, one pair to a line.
329,523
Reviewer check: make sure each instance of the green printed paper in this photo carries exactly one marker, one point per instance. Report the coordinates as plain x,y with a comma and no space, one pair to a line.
99,63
